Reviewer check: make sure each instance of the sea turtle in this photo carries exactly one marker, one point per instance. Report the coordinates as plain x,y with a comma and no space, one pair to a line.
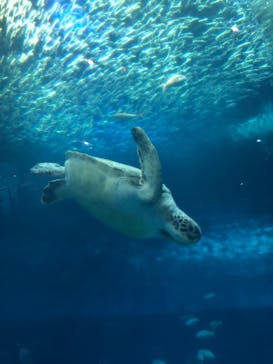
131,200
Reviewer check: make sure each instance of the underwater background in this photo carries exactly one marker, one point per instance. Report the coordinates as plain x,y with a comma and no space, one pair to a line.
198,77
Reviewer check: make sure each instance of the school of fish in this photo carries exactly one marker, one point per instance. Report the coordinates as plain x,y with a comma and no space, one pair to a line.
66,69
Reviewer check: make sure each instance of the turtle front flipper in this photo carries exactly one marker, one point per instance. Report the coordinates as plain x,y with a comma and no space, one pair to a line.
150,166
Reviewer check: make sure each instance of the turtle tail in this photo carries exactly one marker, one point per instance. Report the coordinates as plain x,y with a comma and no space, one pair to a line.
55,190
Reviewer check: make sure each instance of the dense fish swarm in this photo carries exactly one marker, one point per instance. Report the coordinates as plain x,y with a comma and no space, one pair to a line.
67,68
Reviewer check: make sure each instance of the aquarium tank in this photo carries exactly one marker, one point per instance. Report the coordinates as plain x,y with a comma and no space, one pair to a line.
136,181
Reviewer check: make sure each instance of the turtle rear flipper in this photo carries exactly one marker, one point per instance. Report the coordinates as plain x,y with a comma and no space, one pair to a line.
55,190
48,169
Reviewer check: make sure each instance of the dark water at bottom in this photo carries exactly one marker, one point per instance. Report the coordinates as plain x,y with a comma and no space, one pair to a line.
244,337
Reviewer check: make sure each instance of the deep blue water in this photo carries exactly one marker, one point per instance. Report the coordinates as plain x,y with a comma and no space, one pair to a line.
247,337
74,290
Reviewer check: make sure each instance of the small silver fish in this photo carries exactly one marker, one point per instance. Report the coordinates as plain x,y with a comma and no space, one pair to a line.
173,81
204,334
215,324
193,321
209,296
204,355
125,115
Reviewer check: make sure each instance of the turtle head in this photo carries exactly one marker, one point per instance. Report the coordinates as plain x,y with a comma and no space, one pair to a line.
181,228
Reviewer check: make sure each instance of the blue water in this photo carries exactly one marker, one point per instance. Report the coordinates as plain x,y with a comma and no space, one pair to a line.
74,290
